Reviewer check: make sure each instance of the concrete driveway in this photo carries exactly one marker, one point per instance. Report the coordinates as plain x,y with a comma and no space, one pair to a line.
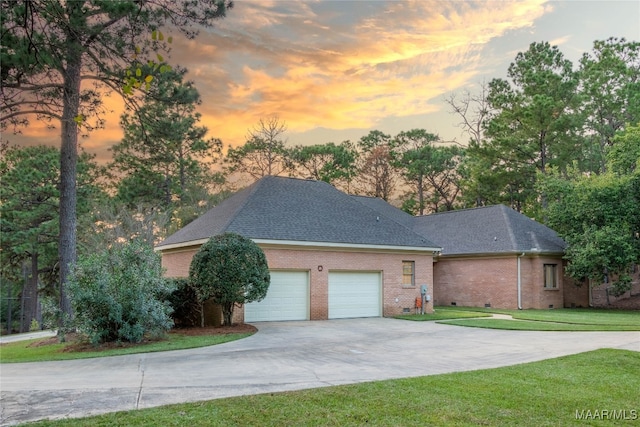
281,356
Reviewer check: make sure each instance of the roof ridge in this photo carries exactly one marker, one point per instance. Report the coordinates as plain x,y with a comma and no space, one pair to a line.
507,218
534,238
410,229
365,197
250,190
462,210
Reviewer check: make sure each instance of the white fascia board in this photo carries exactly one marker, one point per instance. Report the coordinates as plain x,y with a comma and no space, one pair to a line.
198,242
300,243
532,253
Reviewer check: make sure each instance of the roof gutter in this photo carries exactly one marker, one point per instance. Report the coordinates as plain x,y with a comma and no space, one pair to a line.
309,244
180,245
339,245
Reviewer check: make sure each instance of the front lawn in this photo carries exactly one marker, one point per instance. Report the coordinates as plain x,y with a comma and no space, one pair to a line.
593,388
44,349
563,319
583,316
524,325
442,314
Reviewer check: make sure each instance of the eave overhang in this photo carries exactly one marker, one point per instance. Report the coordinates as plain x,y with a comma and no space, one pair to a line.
298,244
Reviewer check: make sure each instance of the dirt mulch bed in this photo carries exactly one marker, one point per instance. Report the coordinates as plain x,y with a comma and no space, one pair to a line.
78,343
241,328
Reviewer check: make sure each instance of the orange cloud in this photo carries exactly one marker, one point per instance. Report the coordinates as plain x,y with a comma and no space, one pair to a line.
336,65
390,64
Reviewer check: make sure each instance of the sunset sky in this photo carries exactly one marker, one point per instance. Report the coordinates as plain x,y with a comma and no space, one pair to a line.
334,70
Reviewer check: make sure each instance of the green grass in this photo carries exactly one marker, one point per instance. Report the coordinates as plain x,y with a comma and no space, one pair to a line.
583,316
524,325
30,351
442,314
547,393
550,320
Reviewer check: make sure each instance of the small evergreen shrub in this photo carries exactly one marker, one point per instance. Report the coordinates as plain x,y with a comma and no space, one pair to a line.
120,294
50,312
187,310
231,270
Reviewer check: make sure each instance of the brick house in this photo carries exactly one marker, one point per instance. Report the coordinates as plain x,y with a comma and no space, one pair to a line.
496,257
333,255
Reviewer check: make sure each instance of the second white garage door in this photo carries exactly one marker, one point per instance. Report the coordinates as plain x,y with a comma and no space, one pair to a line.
354,294
287,299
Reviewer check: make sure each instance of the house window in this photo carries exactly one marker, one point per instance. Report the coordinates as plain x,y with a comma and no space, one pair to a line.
408,273
550,276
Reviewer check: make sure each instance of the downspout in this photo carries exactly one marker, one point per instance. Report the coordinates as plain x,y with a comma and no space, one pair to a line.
519,283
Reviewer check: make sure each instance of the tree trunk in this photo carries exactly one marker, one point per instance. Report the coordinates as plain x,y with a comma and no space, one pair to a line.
30,296
183,175
68,162
420,195
227,314
202,314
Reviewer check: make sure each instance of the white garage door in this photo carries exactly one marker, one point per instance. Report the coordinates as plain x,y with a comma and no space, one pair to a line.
354,295
287,299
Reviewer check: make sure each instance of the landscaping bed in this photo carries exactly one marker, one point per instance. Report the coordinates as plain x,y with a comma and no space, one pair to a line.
77,343
77,347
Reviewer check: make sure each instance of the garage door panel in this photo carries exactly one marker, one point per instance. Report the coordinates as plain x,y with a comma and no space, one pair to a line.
287,299
354,294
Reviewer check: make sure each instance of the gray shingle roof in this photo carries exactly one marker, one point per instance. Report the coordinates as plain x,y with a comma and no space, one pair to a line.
387,210
491,229
277,208
288,209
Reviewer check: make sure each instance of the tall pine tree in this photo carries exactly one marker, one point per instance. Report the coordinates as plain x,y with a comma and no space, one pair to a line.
52,50
165,157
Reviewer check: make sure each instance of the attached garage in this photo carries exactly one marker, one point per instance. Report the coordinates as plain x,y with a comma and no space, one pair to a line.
287,299
355,294
331,254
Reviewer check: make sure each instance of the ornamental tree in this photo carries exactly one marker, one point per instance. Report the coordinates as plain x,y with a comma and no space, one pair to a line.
230,270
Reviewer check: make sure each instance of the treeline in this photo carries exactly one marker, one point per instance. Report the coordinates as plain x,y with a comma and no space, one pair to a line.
414,168
557,141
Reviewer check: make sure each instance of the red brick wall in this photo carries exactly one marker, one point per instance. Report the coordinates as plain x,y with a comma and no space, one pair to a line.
630,300
534,294
576,295
477,281
176,263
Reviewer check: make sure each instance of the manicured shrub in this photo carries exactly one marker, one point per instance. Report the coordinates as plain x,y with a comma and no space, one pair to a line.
120,294
230,270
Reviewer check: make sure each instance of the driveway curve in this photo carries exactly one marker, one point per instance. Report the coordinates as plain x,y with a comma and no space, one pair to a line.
282,356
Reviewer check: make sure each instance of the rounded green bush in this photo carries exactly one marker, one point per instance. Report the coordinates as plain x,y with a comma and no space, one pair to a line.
120,294
230,270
